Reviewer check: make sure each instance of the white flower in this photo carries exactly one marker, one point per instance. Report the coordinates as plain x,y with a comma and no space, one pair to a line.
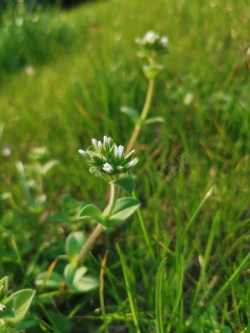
82,152
151,37
107,167
94,141
118,151
164,41
133,162
106,140
108,158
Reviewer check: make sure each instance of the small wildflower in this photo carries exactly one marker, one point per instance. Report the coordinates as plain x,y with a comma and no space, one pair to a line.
94,141
133,162
118,151
107,167
107,158
82,152
152,45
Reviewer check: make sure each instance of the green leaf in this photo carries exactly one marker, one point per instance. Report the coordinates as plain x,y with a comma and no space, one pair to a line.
79,273
159,308
152,71
86,284
129,283
207,322
92,212
73,274
126,183
3,287
76,279
124,208
74,244
54,281
7,311
132,113
60,323
69,273
21,300
153,120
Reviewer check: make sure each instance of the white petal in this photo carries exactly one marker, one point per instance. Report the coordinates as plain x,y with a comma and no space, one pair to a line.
107,167
164,40
151,36
118,151
133,162
94,141
82,152
121,148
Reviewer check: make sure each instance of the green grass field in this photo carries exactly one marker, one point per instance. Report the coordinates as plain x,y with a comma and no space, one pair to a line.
184,264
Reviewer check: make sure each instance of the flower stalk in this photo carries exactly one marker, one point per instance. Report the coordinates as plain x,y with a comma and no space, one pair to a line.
152,45
143,115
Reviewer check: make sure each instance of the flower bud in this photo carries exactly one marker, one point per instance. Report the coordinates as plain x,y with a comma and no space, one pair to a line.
108,159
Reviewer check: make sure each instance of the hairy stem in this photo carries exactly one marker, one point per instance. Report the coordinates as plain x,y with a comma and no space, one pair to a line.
99,228
143,116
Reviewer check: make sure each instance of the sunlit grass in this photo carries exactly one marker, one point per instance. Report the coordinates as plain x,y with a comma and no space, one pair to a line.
75,94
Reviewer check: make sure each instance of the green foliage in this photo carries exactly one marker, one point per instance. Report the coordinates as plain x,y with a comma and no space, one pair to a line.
74,243
74,278
64,78
158,297
28,39
123,209
13,308
208,322
92,212
126,183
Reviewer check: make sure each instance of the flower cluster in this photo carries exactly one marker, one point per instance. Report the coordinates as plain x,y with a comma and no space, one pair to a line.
152,44
107,158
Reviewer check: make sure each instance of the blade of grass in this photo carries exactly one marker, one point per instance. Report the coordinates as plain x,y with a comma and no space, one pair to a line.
178,288
144,231
158,297
128,285
221,290
206,257
191,221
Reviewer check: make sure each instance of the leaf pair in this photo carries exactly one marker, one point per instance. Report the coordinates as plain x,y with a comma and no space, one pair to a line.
123,209
74,277
136,119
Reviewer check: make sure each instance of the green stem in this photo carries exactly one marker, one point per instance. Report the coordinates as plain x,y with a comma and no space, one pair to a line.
114,191
148,99
99,228
143,116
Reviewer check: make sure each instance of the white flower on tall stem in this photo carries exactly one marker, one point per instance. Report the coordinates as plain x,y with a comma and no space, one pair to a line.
152,45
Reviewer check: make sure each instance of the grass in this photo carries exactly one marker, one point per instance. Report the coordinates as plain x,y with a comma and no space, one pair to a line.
78,86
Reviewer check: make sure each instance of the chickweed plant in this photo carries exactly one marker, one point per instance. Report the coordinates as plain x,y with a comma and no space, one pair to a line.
172,276
112,163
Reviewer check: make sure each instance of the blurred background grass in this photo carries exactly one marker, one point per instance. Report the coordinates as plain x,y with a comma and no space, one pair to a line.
64,74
